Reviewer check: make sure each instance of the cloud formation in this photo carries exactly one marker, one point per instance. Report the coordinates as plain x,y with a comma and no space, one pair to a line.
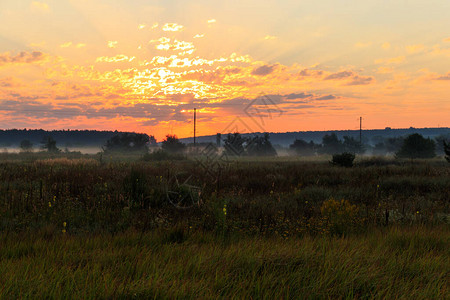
263,70
172,27
34,57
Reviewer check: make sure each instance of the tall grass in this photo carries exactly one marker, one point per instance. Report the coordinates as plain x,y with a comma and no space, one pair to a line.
395,263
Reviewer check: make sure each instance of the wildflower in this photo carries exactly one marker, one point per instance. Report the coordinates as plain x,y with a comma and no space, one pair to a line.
63,231
49,204
224,209
64,224
417,212
271,192
54,198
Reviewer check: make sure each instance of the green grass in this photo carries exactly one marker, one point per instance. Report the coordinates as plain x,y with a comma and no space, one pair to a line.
396,263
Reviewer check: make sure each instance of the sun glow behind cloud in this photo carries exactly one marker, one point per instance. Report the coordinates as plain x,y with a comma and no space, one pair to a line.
148,74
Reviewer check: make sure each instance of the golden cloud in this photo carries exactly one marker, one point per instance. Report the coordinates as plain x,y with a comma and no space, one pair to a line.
112,44
172,27
114,59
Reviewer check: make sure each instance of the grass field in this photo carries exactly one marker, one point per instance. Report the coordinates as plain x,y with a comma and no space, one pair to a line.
88,227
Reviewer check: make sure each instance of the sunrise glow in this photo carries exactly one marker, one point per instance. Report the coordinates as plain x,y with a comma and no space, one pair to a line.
145,65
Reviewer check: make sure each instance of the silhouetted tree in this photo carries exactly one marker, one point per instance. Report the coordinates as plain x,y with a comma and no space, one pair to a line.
128,142
49,144
440,140
26,145
394,144
416,146
260,146
351,145
301,147
218,139
173,145
447,151
331,144
234,144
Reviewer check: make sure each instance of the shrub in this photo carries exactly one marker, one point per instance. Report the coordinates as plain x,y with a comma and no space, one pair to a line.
344,159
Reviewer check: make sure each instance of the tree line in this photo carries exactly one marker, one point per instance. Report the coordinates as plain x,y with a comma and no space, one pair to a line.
234,144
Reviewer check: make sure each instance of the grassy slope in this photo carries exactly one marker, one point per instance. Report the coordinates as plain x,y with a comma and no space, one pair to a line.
396,263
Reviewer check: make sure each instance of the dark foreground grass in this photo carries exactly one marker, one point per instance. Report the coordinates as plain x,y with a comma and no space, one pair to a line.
392,263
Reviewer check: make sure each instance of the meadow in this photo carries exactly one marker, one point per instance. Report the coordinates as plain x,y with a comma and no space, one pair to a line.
90,226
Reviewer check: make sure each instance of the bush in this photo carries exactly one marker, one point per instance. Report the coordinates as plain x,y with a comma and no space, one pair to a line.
344,159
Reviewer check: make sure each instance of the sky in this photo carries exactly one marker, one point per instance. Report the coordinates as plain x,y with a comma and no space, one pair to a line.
275,66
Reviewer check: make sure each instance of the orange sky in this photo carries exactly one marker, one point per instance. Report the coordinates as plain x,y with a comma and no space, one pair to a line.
314,65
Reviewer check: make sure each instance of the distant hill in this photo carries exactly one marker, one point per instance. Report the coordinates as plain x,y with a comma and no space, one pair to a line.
370,137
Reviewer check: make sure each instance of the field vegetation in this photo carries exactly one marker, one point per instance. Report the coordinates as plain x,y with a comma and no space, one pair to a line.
123,226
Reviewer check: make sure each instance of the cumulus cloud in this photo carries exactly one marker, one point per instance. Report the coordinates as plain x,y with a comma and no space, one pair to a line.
339,75
9,82
172,27
298,96
361,80
308,72
176,45
22,58
263,70
444,77
112,44
117,58
327,97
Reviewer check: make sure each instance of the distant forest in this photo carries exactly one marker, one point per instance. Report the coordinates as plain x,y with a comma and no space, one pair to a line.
64,138
369,137
12,138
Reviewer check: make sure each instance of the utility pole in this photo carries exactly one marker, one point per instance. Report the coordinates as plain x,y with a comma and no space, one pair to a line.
195,125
